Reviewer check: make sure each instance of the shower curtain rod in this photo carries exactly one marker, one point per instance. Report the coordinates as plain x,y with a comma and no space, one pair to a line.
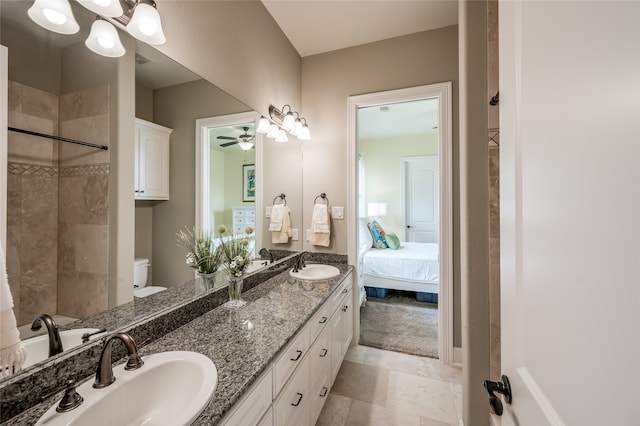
58,138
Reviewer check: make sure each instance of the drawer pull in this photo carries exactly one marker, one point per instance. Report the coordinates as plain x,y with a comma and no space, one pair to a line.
323,320
323,354
346,290
345,307
298,356
324,391
295,404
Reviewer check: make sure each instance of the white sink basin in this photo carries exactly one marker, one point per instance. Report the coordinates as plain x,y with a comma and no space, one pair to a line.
256,265
171,388
38,347
315,271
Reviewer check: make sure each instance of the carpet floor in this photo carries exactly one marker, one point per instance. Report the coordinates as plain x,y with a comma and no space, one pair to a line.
400,323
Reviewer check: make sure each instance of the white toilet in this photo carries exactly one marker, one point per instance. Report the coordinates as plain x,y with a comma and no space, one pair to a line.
140,288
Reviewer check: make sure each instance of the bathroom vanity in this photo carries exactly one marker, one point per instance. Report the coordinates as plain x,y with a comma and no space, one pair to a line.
276,357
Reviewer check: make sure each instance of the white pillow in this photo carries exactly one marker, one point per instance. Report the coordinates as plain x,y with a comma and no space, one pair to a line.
365,240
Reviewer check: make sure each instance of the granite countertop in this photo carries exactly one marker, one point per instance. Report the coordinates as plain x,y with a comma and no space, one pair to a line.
241,342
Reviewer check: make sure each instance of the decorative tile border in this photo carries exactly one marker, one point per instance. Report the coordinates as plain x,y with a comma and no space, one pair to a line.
24,169
85,170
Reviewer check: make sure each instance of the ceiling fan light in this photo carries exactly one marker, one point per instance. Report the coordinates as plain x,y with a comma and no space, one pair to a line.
273,131
263,125
245,146
145,24
54,15
104,39
108,8
282,136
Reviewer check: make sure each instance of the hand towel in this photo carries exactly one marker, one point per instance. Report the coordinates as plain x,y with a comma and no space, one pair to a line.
320,226
282,236
12,354
277,216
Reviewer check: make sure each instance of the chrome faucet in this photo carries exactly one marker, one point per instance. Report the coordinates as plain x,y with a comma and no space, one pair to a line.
268,253
104,372
55,342
300,262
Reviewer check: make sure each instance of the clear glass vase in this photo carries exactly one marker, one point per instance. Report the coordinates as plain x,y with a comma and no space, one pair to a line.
212,280
235,292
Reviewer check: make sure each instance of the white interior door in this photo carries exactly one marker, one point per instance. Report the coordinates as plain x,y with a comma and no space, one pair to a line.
421,199
570,157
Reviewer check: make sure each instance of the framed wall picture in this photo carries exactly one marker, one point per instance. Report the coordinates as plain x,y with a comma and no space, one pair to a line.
249,182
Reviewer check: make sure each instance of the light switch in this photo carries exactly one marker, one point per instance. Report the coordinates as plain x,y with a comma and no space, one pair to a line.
294,234
267,211
308,234
337,212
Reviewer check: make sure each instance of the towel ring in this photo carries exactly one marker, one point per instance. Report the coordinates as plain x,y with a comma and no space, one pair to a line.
323,196
282,197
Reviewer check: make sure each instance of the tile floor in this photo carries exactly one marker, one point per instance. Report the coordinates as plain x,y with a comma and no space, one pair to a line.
378,387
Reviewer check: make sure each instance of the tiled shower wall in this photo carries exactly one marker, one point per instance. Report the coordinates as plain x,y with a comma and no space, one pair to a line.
57,221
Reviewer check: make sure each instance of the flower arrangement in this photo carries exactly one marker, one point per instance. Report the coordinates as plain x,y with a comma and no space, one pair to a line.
201,253
235,250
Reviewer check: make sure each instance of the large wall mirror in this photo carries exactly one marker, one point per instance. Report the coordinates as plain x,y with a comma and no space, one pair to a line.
60,196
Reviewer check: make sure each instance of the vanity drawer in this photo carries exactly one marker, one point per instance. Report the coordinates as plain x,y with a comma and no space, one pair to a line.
292,405
336,298
318,322
289,359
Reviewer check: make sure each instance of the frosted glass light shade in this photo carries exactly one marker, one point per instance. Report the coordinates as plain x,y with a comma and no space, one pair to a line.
289,121
305,134
282,136
297,128
54,15
245,146
109,8
145,23
104,39
273,131
263,125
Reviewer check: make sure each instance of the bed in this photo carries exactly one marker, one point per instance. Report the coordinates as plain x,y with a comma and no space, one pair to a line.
412,267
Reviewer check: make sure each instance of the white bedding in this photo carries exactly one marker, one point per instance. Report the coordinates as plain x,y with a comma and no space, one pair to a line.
413,267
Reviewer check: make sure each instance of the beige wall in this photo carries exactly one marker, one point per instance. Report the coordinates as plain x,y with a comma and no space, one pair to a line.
329,79
383,166
237,46
178,107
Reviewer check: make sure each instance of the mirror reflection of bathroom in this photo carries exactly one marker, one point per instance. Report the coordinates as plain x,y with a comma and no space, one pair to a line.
398,225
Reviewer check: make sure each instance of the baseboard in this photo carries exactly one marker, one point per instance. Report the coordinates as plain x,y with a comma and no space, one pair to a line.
457,356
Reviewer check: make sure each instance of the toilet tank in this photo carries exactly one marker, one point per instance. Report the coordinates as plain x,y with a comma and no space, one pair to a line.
140,268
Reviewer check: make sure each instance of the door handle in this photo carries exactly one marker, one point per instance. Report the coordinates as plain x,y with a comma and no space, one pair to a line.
503,387
298,356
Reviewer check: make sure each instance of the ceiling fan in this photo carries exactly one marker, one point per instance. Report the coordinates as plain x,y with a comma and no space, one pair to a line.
245,141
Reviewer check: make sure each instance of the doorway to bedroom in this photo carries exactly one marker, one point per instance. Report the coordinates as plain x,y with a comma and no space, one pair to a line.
402,145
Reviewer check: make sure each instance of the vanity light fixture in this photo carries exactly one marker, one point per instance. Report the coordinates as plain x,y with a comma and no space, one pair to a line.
139,18
54,15
104,39
275,126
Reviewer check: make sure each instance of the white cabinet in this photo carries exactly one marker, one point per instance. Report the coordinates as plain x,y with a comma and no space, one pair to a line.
151,161
243,217
300,379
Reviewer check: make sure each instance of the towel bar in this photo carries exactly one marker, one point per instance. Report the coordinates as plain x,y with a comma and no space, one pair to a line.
323,196
282,197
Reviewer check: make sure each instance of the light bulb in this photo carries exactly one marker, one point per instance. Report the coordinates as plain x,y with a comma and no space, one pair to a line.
104,39
145,24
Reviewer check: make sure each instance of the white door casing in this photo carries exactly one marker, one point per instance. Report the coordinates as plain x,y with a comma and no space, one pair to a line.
420,199
569,158
445,298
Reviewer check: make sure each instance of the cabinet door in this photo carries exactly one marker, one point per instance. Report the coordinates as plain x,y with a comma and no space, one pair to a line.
337,321
153,165
292,405
346,311
253,405
320,372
